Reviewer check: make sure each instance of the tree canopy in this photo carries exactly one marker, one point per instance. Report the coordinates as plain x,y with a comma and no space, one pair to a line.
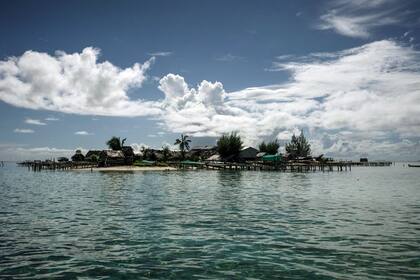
229,145
270,148
298,146
115,143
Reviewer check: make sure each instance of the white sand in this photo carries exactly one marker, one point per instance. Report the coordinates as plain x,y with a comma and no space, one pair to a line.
130,168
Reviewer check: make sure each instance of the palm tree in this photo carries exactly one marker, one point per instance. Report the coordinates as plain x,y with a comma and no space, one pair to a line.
115,143
184,144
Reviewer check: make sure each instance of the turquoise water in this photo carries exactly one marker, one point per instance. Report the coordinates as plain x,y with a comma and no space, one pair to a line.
363,224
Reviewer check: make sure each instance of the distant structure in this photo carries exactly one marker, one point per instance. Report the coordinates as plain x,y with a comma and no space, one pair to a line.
62,159
363,159
248,153
111,158
78,156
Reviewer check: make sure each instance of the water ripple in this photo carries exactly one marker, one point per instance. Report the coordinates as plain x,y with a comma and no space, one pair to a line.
210,225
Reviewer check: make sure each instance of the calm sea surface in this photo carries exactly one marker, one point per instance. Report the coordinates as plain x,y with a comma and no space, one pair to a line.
363,224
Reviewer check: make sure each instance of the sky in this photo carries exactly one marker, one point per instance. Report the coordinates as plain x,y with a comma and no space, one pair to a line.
75,73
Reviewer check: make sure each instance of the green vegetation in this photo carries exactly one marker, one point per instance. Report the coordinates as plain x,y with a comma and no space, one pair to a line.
229,145
149,154
115,143
270,148
166,153
184,144
298,146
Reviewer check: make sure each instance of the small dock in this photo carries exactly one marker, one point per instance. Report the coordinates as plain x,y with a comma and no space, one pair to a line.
260,166
372,163
38,165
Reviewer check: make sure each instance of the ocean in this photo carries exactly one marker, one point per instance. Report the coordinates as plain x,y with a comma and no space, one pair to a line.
359,224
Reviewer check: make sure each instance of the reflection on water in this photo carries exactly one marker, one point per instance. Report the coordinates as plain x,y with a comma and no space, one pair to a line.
210,224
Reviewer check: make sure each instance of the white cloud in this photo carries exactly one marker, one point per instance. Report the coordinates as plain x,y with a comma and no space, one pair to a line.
357,18
358,100
51,119
82,132
74,83
372,92
23,130
160,53
19,152
34,122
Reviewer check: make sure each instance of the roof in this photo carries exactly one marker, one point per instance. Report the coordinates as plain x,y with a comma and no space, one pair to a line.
261,154
206,147
214,158
247,147
114,154
93,152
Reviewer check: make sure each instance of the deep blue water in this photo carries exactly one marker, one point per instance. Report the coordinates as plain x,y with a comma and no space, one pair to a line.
363,224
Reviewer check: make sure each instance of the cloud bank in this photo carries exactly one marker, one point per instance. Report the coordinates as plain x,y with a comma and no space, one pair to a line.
364,99
73,83
342,99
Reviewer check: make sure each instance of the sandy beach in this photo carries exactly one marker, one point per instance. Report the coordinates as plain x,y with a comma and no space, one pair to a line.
130,168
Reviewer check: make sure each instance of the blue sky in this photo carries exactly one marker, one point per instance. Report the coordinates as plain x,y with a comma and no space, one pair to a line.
345,73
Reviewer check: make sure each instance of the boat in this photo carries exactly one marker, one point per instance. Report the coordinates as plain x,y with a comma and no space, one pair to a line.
413,165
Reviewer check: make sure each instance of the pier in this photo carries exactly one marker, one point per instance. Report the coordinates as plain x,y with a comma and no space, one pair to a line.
38,165
260,166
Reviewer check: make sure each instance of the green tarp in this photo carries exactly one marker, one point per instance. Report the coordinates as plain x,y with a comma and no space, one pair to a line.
272,158
189,162
148,162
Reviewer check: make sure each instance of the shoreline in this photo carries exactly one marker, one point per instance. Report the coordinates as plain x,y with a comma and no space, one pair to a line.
128,168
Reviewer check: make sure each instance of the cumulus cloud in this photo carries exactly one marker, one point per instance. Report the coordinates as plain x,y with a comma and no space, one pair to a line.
34,122
73,83
363,99
358,17
23,130
370,92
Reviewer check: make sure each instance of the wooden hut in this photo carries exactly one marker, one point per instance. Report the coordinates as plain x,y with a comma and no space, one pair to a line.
78,156
248,153
111,158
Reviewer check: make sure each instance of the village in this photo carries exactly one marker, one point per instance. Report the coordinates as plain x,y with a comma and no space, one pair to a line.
228,153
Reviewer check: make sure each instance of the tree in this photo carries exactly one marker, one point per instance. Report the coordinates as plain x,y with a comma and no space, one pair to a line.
184,144
229,145
270,148
115,143
298,146
262,147
273,147
165,153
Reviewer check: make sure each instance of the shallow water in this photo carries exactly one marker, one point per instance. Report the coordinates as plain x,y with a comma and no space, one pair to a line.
210,225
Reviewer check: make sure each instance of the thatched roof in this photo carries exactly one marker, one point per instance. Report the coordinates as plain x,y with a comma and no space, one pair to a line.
113,154
214,158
